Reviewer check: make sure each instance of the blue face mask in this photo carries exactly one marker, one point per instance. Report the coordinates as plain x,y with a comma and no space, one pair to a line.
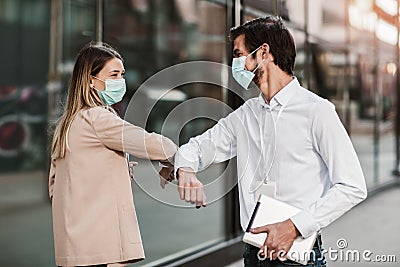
239,72
114,91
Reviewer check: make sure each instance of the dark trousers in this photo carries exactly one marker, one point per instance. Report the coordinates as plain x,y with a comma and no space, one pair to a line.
250,256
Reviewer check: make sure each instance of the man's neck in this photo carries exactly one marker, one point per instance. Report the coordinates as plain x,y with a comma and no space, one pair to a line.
272,84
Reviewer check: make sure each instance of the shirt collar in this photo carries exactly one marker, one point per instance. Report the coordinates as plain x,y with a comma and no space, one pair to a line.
283,96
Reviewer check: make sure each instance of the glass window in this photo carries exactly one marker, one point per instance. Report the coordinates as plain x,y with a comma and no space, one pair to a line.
79,28
23,133
296,12
23,97
386,108
261,7
311,15
9,10
152,36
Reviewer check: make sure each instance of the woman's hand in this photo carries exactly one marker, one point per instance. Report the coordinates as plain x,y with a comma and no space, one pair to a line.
132,164
166,173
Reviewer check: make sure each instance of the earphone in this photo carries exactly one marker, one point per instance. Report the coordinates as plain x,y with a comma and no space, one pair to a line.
261,129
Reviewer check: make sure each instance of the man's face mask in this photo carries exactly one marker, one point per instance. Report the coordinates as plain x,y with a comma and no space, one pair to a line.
114,91
239,72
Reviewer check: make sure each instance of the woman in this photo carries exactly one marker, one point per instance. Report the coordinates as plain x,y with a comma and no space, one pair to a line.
94,217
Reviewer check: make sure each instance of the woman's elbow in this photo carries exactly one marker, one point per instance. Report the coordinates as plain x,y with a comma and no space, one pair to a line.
161,149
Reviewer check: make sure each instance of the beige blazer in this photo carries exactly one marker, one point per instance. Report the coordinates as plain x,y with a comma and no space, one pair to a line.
94,218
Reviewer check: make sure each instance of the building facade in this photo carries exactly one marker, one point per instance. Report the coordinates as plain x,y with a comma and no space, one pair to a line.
347,51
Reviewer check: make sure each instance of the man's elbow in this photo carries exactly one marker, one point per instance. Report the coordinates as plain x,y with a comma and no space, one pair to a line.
355,193
360,192
360,195
364,194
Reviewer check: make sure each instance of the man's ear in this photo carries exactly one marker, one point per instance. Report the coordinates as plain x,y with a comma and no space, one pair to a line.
265,52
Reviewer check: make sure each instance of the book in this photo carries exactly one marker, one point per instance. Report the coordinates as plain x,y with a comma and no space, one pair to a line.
268,211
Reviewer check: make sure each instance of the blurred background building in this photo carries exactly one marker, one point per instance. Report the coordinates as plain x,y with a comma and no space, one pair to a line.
348,52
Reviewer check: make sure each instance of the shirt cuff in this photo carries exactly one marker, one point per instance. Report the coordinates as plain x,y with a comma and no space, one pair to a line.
305,223
181,161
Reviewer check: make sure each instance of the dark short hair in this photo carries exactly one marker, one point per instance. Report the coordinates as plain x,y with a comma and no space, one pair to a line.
270,30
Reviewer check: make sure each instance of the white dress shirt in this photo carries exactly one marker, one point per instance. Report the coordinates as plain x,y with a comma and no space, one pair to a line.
307,152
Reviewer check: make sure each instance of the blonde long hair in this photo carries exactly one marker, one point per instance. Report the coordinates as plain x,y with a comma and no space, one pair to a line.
90,61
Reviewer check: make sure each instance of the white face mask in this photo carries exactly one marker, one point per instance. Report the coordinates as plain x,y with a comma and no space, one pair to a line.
239,72
114,91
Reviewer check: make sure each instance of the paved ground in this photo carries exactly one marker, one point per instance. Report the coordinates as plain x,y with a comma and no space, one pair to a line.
373,225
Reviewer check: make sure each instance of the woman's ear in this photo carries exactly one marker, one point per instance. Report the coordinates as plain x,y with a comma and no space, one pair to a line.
91,83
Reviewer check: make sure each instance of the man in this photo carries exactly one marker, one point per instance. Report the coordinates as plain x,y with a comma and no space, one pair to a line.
288,140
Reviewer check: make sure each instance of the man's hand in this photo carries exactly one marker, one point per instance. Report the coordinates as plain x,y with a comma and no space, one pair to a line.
279,239
166,173
190,188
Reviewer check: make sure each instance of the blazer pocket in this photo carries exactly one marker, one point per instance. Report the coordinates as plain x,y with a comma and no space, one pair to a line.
131,225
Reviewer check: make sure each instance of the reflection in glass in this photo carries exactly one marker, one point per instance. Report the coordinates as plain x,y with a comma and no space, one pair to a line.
23,81
151,36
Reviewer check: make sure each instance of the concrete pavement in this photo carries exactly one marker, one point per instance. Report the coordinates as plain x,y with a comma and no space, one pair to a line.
372,228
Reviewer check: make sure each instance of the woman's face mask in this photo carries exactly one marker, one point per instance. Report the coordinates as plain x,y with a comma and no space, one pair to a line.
239,72
114,90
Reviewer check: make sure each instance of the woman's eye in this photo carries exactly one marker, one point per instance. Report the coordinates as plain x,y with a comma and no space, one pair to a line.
116,75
